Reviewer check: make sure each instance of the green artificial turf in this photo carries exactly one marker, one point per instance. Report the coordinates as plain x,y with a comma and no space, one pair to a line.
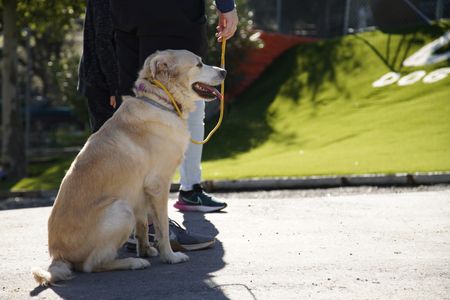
314,112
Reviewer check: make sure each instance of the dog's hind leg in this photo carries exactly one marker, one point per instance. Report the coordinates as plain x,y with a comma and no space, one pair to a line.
113,230
158,199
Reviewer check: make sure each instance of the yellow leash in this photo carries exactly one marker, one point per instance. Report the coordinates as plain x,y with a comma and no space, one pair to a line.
222,105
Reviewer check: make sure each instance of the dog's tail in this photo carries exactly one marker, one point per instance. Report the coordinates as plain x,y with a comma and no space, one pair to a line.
58,270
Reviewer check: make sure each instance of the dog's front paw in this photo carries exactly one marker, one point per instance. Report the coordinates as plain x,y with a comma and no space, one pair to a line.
175,258
139,263
148,252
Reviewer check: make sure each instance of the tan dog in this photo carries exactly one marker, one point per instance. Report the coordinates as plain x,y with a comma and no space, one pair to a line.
124,171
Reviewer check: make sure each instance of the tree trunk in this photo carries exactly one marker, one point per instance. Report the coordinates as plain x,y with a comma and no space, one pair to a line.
13,150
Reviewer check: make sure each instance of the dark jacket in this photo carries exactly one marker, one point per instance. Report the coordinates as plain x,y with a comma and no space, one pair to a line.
98,65
162,17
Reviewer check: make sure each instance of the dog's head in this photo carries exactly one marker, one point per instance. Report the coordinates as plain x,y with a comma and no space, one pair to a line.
184,74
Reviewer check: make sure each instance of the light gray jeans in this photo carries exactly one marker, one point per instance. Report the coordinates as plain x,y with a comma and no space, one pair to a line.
190,169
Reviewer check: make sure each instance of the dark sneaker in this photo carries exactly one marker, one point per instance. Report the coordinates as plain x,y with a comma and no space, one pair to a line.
198,200
180,239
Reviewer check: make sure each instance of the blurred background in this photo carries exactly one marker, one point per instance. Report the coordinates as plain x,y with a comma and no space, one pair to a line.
300,100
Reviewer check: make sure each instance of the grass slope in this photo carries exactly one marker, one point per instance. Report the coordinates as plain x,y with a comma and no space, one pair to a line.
315,112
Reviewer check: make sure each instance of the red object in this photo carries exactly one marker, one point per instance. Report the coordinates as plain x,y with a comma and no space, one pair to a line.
258,60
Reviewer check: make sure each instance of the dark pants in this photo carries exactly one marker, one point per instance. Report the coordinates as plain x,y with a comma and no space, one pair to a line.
187,31
98,105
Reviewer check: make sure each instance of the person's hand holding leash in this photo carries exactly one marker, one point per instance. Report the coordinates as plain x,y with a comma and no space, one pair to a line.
227,25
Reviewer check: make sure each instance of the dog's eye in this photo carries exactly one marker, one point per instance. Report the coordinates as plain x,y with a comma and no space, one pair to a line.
199,65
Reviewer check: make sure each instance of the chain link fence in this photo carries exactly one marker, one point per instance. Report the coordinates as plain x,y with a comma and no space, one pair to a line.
328,18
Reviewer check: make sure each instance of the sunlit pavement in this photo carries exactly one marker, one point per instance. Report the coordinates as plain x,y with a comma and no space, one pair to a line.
327,244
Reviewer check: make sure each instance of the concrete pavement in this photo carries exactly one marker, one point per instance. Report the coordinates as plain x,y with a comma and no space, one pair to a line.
270,245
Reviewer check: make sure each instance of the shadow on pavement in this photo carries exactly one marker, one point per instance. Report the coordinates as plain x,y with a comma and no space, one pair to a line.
190,280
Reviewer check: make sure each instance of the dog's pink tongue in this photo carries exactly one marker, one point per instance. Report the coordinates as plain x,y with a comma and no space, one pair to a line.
212,90
217,93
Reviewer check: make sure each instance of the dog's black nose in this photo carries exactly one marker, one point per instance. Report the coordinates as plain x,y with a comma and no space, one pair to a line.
223,73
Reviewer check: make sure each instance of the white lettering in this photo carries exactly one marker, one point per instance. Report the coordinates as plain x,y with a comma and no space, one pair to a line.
425,54
436,75
411,78
386,79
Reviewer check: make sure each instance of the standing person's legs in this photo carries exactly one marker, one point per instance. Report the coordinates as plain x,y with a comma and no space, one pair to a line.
190,169
191,196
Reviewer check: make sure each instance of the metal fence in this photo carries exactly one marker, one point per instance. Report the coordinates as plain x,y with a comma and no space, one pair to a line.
328,18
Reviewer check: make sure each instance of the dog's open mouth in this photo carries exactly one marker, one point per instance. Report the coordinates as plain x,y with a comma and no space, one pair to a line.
206,91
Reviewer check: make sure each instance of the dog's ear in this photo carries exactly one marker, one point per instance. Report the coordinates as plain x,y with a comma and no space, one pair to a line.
157,63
